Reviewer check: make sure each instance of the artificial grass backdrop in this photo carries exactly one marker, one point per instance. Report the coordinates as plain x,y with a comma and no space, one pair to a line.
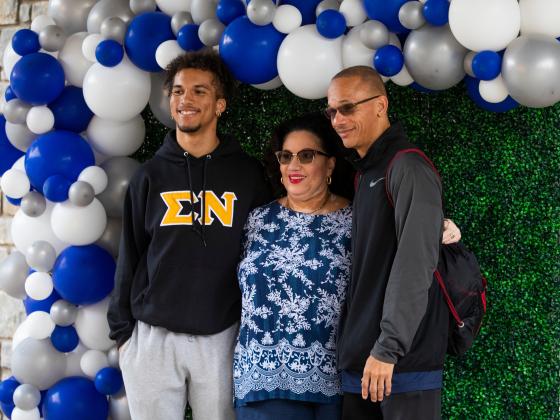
500,174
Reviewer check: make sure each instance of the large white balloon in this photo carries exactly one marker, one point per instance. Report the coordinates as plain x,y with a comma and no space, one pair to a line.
171,7
40,119
20,414
40,22
116,93
353,11
96,177
287,18
73,361
354,52
15,183
540,17
92,326
484,24
72,58
307,61
167,51
89,45
79,225
39,325
115,138
19,135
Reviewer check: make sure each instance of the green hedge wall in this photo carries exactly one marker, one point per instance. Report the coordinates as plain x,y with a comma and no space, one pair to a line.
501,182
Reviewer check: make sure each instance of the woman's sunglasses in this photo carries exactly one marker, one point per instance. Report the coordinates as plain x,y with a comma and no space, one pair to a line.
304,156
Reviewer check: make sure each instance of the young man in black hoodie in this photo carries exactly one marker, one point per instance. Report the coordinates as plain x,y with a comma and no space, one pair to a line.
393,335
176,305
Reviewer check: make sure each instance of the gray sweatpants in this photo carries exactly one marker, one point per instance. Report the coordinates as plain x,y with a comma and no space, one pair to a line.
162,370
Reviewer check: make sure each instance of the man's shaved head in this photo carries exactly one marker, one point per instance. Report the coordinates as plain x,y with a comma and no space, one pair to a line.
367,75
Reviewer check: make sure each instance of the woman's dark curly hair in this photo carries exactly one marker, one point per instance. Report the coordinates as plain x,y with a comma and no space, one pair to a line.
316,124
206,60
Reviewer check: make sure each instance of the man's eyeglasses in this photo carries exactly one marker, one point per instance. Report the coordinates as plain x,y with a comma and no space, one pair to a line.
304,156
346,109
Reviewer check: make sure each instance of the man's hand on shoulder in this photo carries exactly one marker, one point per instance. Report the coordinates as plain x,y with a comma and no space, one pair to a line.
376,380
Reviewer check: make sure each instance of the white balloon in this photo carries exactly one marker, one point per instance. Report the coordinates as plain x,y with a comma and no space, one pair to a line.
20,334
89,45
9,60
19,135
19,414
73,62
115,138
402,78
96,177
73,361
19,164
202,10
15,183
167,51
116,93
493,91
540,17
93,361
40,119
271,84
170,7
79,225
40,22
484,24
287,18
307,61
354,52
353,11
40,325
92,326
38,285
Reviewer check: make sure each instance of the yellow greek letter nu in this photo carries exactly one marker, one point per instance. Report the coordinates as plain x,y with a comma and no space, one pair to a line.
214,208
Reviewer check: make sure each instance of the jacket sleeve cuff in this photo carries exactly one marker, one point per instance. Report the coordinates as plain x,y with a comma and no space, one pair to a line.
383,355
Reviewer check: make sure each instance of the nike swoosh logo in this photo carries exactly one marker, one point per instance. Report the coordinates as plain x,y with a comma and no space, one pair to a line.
374,183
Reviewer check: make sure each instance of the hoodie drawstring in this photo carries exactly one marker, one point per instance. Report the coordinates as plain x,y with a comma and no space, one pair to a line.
200,232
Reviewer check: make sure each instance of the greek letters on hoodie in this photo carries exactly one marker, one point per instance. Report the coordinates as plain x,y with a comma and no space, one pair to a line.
182,225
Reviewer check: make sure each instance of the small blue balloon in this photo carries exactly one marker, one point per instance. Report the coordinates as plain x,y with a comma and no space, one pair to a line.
9,94
7,409
145,33
487,65
386,11
229,10
473,92
75,398
109,53
25,41
108,381
71,111
388,60
56,188
8,153
436,12
37,78
306,7
14,201
331,24
32,305
65,339
7,388
188,39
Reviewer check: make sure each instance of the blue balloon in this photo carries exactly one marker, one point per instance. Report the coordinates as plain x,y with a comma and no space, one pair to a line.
250,51
75,398
109,53
188,39
229,10
109,381
32,305
388,60
386,11
7,388
14,201
473,92
144,34
84,274
8,153
37,78
56,188
70,110
64,339
9,94
331,24
487,65
306,7
57,152
436,12
7,409
25,41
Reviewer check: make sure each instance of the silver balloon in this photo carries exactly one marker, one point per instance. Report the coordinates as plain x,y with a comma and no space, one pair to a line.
531,70
111,238
374,34
40,256
15,111
434,58
105,9
33,204
119,172
19,135
179,20
141,6
159,101
13,272
113,28
411,15
118,408
202,10
113,357
467,63
38,363
210,32
27,397
261,12
63,313
70,15
81,193
326,5
52,38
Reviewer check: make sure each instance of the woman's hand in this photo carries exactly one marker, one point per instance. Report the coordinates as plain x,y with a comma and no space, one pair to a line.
451,232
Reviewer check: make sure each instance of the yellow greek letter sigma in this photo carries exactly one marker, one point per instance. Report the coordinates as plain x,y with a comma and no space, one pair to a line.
214,208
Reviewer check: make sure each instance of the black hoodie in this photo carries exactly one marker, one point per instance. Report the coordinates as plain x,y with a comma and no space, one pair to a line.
175,270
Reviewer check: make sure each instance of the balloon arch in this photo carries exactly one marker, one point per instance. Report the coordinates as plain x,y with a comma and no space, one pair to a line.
82,74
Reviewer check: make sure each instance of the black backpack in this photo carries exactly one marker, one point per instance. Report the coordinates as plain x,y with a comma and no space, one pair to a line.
462,283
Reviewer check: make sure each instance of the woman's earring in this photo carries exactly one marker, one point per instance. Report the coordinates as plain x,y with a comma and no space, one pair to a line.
329,180
282,180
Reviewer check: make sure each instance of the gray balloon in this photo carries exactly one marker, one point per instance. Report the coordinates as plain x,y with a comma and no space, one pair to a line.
159,101
113,357
27,397
531,70
141,6
113,28
105,9
467,63
210,32
434,58
33,204
326,5
13,272
63,313
261,12
70,15
119,172
118,408
15,111
374,34
202,10
52,38
111,238
81,193
40,256
38,363
411,15
19,135
179,20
